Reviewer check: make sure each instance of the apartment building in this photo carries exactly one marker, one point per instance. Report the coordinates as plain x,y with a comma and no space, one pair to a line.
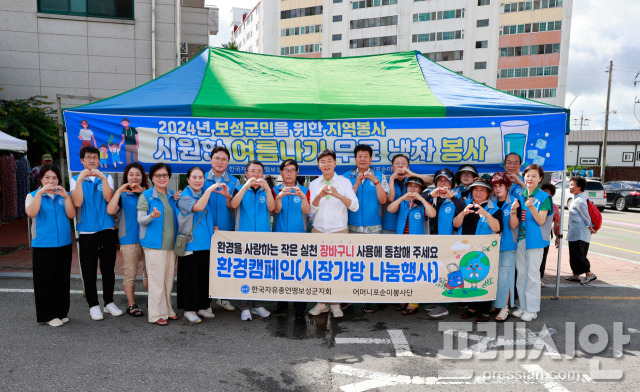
519,47
96,48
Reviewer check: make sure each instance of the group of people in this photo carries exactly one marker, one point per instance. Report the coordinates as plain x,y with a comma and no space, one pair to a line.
151,218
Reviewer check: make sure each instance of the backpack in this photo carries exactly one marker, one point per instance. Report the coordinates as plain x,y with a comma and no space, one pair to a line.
596,216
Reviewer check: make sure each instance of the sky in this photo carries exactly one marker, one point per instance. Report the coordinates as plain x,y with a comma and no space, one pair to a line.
600,31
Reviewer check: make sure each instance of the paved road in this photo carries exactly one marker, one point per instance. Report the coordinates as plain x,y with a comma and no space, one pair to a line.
619,235
383,351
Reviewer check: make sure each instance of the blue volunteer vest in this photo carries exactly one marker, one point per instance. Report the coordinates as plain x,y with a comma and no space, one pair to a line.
515,189
203,232
446,213
483,224
221,216
50,228
368,213
534,236
290,219
390,219
92,215
509,236
416,218
128,227
253,212
151,234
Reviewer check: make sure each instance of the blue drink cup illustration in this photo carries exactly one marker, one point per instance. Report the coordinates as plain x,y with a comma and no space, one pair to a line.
514,138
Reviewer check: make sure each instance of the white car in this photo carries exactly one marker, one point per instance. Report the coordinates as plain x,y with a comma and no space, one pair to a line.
594,192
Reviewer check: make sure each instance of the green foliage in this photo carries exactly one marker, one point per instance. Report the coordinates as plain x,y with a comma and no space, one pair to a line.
33,120
231,46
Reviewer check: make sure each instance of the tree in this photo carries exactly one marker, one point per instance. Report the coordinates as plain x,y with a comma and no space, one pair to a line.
231,46
33,120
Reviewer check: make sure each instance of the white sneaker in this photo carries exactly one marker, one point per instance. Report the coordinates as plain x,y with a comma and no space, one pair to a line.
112,309
225,304
518,312
56,322
336,311
206,313
529,316
96,313
319,308
261,311
192,317
65,320
245,315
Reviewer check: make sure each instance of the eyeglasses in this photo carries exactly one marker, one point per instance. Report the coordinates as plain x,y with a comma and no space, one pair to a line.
161,176
289,170
219,159
91,158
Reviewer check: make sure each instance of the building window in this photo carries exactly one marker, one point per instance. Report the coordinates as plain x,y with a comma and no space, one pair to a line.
483,2
371,42
449,14
482,23
299,12
481,44
374,22
337,1
336,37
301,30
371,3
529,50
337,18
445,56
336,55
116,9
480,65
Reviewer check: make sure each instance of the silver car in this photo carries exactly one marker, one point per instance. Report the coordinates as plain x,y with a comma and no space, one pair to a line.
594,192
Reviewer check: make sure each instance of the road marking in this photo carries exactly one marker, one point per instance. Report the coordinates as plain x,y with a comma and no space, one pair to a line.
396,338
374,379
615,228
633,330
614,247
590,297
614,257
620,223
140,293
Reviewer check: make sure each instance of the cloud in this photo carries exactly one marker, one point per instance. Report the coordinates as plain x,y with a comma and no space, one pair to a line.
460,246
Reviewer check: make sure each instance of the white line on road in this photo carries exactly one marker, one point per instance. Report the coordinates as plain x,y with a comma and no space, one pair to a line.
548,381
140,293
397,338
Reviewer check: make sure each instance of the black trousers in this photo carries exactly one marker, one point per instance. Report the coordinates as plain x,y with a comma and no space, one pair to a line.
481,307
51,276
93,247
193,281
543,265
299,307
578,257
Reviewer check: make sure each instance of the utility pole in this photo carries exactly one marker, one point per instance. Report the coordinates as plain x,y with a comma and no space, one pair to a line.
603,160
582,121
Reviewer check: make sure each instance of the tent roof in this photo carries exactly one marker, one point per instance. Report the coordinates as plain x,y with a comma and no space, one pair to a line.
10,143
232,84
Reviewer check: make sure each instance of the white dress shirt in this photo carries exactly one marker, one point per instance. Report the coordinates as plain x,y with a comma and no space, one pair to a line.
331,215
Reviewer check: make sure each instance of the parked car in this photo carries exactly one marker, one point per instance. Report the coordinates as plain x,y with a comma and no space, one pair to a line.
595,192
623,194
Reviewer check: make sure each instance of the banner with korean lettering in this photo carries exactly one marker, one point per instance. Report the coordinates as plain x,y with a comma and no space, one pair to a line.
353,268
430,143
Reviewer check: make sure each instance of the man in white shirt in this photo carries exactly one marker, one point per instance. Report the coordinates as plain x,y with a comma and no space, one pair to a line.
332,198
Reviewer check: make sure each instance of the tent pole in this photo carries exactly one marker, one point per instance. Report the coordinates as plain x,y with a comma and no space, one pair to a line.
61,141
562,204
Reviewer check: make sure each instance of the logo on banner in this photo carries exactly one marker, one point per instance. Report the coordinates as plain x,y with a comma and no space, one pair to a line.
244,289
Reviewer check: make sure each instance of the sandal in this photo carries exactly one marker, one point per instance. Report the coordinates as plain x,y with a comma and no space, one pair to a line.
173,318
572,278
134,311
467,314
503,315
401,307
409,311
162,322
482,318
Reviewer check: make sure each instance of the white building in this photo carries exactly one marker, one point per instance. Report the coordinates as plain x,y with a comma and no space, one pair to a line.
520,47
96,48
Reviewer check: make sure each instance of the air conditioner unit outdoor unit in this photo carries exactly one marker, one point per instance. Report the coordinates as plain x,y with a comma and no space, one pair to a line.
184,48
184,59
588,161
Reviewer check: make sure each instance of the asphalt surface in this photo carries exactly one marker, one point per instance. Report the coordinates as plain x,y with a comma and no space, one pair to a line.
381,351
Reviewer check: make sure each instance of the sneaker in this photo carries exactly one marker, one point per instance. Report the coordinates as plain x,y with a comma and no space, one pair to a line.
225,304
206,313
439,311
368,308
65,319
261,311
336,311
96,313
345,306
529,316
112,309
245,315
588,279
542,284
430,307
319,308
518,313
463,306
56,322
192,317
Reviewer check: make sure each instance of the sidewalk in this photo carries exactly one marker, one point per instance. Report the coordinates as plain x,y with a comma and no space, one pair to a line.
610,271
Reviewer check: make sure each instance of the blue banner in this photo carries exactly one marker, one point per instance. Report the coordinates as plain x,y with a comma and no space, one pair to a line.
430,143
